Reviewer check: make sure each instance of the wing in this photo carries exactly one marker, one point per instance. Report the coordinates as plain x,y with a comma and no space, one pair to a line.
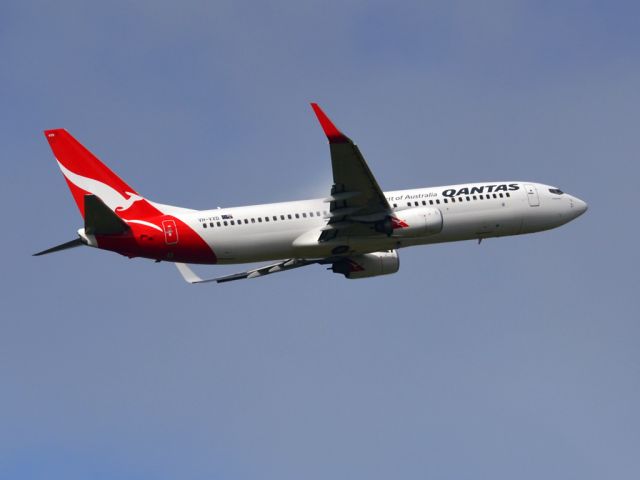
191,277
357,203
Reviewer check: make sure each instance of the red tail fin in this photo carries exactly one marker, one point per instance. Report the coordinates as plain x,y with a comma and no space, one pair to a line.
85,174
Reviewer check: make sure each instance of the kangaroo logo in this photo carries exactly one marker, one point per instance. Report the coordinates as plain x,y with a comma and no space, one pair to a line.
128,201
110,196
397,223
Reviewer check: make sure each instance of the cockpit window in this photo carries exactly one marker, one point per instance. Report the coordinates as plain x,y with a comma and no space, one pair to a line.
556,191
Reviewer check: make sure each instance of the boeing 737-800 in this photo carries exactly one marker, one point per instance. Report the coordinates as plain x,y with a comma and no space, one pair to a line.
357,229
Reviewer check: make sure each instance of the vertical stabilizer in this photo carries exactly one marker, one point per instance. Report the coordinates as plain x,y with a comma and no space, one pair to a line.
87,175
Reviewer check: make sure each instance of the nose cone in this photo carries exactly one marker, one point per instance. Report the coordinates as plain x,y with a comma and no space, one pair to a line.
578,206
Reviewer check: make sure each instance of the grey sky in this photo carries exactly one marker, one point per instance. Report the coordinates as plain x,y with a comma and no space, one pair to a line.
514,359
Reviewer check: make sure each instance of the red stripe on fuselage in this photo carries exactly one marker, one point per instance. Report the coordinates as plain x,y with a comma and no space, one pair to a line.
148,242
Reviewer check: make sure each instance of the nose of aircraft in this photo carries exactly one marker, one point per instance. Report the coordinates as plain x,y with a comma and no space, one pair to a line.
578,206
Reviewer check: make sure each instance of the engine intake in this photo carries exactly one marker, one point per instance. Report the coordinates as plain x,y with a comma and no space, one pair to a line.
417,222
368,265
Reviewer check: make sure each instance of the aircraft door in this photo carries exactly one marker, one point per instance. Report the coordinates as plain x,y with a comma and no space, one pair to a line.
532,195
170,232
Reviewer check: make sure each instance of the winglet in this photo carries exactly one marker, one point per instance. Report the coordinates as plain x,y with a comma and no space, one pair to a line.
331,131
188,274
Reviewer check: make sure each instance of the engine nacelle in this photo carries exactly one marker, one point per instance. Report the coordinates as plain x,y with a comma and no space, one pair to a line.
417,222
368,265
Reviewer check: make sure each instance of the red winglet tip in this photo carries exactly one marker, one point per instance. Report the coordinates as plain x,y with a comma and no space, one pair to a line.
330,130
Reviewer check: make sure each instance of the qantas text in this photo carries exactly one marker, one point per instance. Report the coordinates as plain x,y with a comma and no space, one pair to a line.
483,189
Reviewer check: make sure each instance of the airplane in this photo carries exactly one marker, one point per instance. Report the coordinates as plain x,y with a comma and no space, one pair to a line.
356,230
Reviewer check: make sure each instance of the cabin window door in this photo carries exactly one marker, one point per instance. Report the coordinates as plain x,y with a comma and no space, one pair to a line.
532,195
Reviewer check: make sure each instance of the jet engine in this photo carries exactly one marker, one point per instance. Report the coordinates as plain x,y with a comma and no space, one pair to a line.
368,265
417,222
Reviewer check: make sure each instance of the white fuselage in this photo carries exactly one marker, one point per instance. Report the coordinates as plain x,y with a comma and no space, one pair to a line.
469,211
356,230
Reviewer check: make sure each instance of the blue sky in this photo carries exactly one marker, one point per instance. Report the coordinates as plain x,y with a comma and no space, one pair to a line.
516,358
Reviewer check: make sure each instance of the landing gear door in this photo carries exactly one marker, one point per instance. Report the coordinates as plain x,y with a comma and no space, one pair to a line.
532,195
170,232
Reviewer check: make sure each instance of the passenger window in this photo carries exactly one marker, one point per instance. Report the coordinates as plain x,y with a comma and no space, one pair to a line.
304,215
508,194
446,201
453,200
253,220
317,214
289,216
475,198
218,223
204,225
311,214
501,196
481,197
423,202
246,221
275,218
438,201
225,223
408,204
259,219
266,219
430,202
395,205
495,196
232,222
211,224
468,199
281,217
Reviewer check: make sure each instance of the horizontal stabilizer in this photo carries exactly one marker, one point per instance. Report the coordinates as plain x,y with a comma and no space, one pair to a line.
100,219
72,244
